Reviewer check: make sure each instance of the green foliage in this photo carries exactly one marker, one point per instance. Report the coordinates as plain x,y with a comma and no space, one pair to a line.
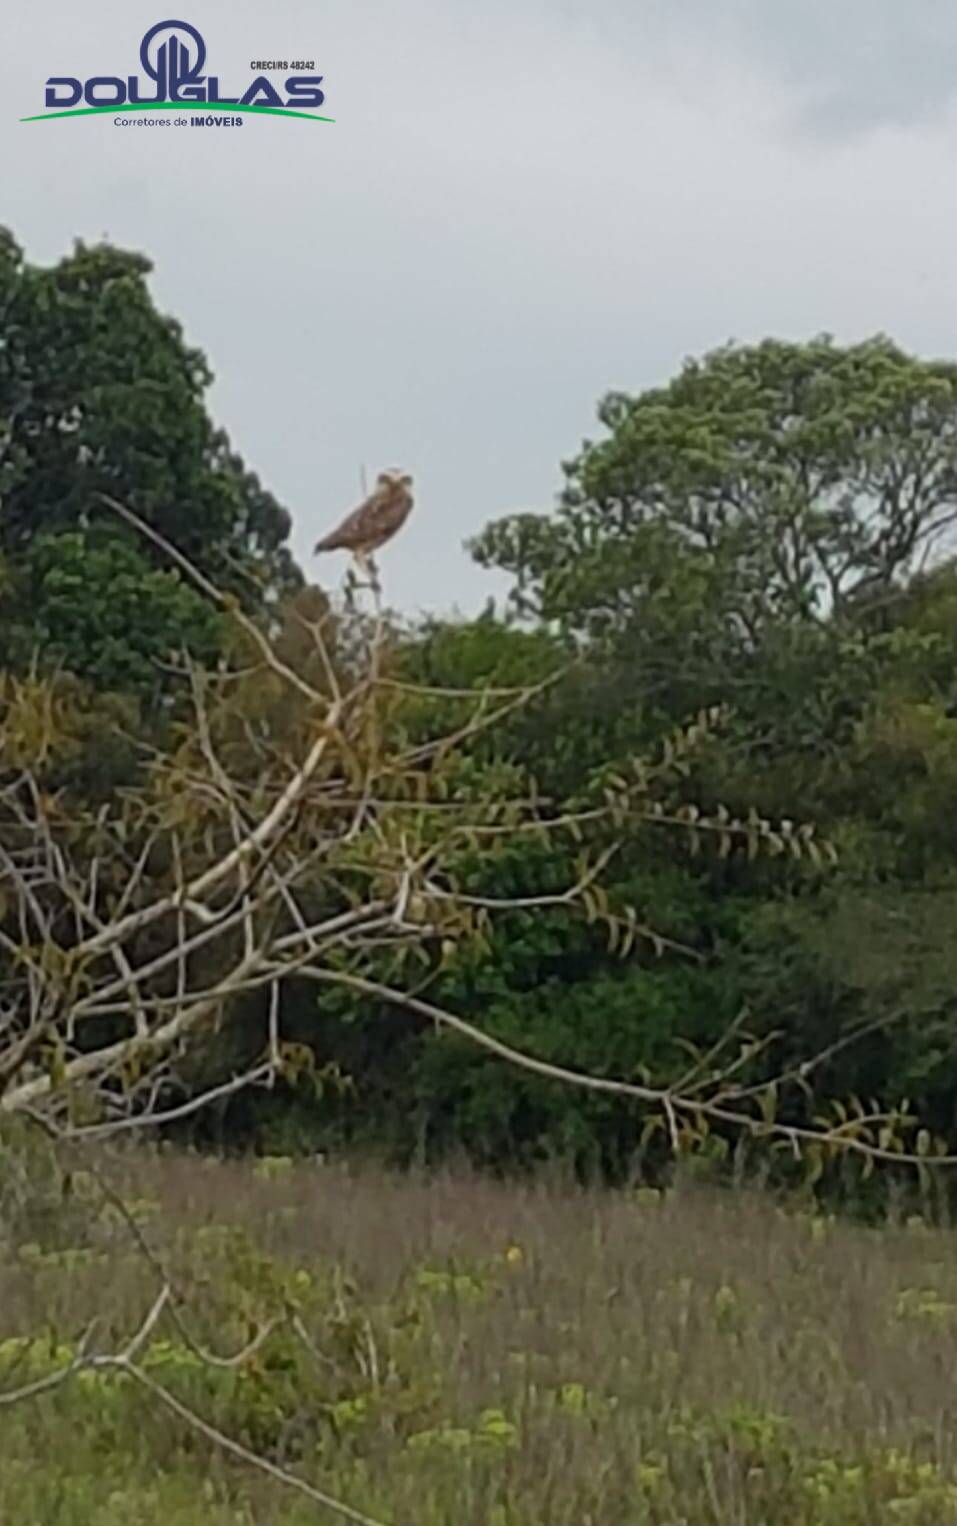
749,534
740,546
91,603
764,483
100,393
451,1352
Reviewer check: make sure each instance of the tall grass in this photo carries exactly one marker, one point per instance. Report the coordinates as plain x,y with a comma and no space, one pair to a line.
457,1352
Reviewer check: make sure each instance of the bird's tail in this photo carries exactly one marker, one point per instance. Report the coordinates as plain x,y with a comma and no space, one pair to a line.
328,543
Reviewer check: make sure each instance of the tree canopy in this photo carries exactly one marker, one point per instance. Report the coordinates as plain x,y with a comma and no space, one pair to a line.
100,393
777,480
597,835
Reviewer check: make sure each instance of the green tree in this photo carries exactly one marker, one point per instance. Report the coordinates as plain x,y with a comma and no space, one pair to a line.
89,602
771,480
99,393
751,534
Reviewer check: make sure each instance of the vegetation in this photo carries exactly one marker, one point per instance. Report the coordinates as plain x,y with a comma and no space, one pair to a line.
100,393
767,535
449,1351
656,873
729,631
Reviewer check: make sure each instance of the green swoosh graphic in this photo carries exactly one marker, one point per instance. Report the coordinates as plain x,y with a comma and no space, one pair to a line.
200,108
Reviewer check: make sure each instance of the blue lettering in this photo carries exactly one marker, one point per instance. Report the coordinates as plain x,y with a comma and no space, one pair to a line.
173,54
304,90
73,85
133,92
272,96
213,95
107,82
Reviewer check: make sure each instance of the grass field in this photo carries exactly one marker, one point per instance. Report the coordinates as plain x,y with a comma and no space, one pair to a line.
455,1352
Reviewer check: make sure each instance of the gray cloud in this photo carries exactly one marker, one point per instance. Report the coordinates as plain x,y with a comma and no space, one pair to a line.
519,206
861,64
846,67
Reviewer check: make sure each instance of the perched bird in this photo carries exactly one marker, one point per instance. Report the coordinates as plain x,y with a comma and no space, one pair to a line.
376,520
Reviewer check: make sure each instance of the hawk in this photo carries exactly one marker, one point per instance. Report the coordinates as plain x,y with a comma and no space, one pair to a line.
375,521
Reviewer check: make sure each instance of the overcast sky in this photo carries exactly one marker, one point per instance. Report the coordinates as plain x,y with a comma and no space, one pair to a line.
521,205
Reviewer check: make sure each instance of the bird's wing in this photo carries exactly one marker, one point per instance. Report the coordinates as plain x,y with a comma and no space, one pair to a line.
354,529
391,512
374,516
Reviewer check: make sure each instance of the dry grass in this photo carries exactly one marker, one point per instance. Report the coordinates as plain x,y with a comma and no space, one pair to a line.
485,1355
